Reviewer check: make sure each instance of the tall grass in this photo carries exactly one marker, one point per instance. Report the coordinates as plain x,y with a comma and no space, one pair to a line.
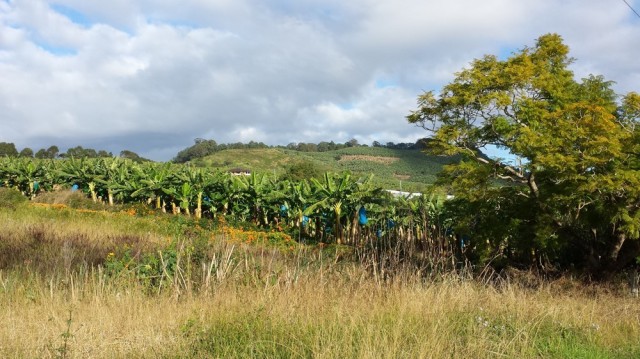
76,284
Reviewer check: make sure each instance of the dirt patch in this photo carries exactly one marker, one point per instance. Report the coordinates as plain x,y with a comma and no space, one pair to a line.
378,159
401,177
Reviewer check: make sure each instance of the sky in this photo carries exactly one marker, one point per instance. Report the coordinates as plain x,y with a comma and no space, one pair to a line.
152,76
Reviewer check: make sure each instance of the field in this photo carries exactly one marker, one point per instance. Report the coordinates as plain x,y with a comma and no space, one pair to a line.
409,170
87,282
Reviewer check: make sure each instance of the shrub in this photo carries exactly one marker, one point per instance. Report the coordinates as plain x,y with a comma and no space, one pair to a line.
71,199
11,197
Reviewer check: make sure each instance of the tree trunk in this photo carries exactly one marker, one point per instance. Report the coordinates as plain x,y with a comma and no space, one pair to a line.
531,182
198,212
92,189
338,227
617,246
353,231
624,252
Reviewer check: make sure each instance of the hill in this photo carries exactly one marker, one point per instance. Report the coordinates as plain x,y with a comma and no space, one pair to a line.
408,170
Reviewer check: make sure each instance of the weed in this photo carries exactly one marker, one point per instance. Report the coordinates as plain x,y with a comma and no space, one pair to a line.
63,351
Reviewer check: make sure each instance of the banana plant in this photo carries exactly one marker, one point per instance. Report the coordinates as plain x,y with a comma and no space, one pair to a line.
330,197
197,181
116,177
26,175
275,204
6,163
184,195
154,180
296,198
238,206
218,193
84,173
249,194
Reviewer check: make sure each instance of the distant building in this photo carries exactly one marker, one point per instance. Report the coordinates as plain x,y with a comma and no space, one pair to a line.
407,195
240,172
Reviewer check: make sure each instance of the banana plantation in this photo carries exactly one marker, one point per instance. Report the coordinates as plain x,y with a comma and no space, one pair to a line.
336,209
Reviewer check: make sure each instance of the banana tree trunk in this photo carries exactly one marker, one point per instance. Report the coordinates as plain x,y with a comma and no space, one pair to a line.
353,232
198,211
92,189
339,234
185,208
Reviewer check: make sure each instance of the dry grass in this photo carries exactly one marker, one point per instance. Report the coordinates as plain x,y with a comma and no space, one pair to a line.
256,302
401,177
317,316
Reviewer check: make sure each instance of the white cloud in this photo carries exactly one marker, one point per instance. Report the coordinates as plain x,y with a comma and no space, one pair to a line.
151,76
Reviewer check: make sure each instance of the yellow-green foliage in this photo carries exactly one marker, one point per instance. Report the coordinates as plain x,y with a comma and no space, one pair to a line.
574,192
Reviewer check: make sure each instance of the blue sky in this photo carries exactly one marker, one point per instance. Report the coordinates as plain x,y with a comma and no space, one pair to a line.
151,76
72,14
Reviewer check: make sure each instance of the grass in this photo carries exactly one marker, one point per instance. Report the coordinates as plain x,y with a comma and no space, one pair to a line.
409,170
223,297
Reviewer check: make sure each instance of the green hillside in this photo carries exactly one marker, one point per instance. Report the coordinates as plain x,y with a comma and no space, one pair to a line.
408,170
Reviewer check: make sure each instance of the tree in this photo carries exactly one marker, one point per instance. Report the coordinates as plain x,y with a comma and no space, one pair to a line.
200,149
26,152
42,153
303,170
325,146
80,152
52,151
133,156
307,147
8,149
573,196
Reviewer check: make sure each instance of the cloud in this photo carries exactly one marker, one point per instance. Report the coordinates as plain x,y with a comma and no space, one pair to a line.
151,76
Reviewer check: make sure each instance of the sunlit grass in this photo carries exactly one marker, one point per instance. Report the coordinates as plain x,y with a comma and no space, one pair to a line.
230,297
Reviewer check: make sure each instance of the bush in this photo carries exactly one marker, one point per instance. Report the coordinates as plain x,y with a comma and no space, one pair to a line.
303,170
77,200
11,197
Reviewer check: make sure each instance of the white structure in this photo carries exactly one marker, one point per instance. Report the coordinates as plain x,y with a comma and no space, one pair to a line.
407,195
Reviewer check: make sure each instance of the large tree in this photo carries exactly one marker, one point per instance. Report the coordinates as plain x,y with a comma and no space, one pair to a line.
51,152
572,196
201,148
8,149
26,152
